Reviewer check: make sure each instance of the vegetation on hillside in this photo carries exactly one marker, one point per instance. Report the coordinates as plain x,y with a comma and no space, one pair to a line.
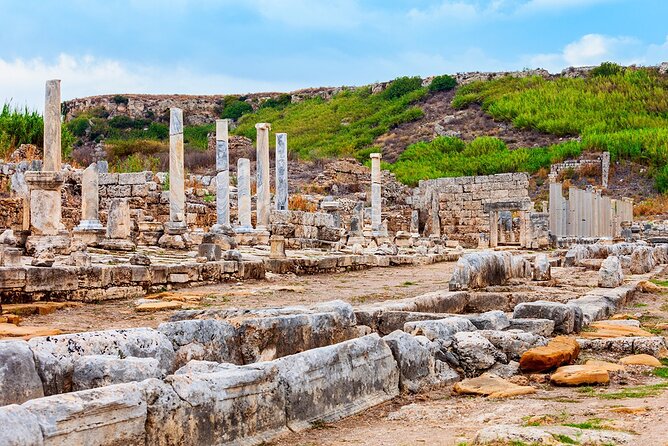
345,125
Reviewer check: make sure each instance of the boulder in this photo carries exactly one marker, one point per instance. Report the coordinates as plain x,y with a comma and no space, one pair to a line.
439,329
513,342
19,381
549,435
475,352
608,366
593,307
540,327
642,260
541,268
490,320
610,275
94,371
19,427
416,363
481,269
641,359
559,351
565,317
576,375
492,386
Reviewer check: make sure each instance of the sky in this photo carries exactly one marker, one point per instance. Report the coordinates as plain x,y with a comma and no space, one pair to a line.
239,46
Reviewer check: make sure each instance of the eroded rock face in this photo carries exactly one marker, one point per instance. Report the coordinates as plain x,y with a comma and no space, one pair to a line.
610,275
19,381
559,351
55,355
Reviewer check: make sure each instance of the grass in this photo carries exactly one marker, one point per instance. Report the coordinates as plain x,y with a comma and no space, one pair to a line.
629,392
659,282
345,125
591,423
565,439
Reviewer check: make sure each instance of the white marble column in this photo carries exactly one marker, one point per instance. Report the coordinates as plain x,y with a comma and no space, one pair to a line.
263,202
282,171
52,144
177,195
90,200
376,219
244,195
222,175
555,207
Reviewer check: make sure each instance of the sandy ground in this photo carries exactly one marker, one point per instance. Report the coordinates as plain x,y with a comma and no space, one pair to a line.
355,287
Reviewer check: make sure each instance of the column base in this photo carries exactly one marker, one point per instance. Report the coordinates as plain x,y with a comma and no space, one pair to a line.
89,225
176,227
58,244
88,235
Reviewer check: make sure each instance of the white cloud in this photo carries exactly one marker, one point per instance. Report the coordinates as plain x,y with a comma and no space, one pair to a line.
22,81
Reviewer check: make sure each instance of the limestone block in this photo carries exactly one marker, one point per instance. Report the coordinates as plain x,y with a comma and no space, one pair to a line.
108,178
330,383
51,279
610,275
206,339
594,307
416,364
491,320
475,352
113,415
442,302
119,224
94,371
540,327
132,178
542,269
19,381
19,427
564,317
225,405
439,329
559,351
55,355
12,277
513,342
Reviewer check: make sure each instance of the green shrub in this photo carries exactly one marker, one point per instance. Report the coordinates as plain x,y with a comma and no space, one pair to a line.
197,136
442,83
606,69
236,109
402,86
120,99
279,102
661,180
19,126
78,126
136,163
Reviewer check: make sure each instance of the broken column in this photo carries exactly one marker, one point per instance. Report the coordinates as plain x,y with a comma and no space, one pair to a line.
222,177
177,194
376,219
263,202
119,226
45,198
90,200
244,196
282,171
605,169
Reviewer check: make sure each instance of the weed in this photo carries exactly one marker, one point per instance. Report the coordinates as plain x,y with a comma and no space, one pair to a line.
659,282
591,423
442,83
661,372
565,439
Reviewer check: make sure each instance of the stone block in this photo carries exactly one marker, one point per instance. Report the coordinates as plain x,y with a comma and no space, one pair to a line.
491,320
475,352
564,317
140,190
131,178
19,427
94,371
51,279
19,381
541,327
414,359
113,415
439,329
330,383
105,179
55,355
12,278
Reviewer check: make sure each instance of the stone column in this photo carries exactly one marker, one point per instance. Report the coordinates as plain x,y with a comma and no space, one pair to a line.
376,219
45,199
555,209
572,212
263,202
282,171
52,145
415,223
244,195
222,176
90,200
605,169
493,229
177,194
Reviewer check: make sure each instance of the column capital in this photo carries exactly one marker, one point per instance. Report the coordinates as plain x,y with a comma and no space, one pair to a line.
263,126
375,155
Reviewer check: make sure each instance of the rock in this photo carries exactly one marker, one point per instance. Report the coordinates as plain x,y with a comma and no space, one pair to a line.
330,383
505,370
502,434
575,375
25,332
94,371
19,381
55,355
550,435
233,255
416,364
610,275
541,268
439,329
158,306
19,427
642,260
540,327
513,342
119,223
593,307
475,352
210,251
481,269
492,386
641,359
44,259
608,366
79,259
491,320
564,316
604,330
559,351
113,415
140,259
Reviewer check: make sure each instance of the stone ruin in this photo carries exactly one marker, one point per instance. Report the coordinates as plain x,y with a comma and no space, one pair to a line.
231,376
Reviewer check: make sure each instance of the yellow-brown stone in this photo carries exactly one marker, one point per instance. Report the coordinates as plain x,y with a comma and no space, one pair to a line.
604,331
492,386
576,375
559,351
158,306
609,366
643,359
25,332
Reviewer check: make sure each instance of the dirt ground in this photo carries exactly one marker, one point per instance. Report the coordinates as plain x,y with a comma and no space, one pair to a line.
356,287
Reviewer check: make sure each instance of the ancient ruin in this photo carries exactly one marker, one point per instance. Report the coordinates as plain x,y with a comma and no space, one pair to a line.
520,290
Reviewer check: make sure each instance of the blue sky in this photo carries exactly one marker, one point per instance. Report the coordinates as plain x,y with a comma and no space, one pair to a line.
237,46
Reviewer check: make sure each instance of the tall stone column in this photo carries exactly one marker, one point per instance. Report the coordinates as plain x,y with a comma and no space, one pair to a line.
555,207
263,202
376,219
282,171
222,176
45,199
244,195
90,200
177,194
493,229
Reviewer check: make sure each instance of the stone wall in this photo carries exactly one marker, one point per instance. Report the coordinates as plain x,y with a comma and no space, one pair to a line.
456,207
